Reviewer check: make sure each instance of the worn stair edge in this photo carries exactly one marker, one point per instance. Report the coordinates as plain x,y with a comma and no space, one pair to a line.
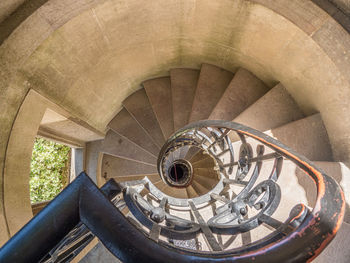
199,156
159,94
207,182
183,87
307,136
173,191
154,178
274,109
119,146
207,172
124,124
212,84
114,166
201,190
191,153
338,171
139,107
244,89
191,193
338,250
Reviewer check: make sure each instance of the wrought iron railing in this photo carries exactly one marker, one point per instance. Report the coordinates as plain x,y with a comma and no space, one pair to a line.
239,212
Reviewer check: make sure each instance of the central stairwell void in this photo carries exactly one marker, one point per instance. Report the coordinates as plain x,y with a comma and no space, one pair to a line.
189,181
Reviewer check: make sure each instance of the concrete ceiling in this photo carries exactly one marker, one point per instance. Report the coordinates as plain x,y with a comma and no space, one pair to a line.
90,64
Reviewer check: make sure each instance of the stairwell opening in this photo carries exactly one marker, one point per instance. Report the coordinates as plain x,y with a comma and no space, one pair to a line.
179,173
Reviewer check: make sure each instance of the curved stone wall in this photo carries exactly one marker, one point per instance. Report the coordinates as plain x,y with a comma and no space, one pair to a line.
87,56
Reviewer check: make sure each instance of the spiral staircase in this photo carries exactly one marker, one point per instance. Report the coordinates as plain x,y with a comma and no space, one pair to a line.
201,164
192,180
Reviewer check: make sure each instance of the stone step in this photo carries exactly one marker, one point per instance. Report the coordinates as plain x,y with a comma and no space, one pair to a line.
207,172
124,124
139,107
212,83
183,151
119,146
176,192
160,184
113,167
272,110
307,136
200,189
207,162
338,250
203,178
244,89
191,153
183,88
191,193
173,191
154,178
199,156
338,171
159,94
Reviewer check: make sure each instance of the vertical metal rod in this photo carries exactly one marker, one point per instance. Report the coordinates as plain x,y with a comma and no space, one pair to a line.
213,244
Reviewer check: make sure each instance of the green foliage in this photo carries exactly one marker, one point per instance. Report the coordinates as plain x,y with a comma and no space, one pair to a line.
49,170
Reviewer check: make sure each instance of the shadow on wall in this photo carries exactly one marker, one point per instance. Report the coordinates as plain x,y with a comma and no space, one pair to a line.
339,171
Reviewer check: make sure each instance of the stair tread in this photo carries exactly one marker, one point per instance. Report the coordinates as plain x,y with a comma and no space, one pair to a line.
113,167
191,153
244,89
307,136
173,192
159,94
191,193
139,107
183,88
339,172
212,83
205,179
183,152
199,156
274,109
124,124
338,250
204,163
199,188
154,178
209,173
117,145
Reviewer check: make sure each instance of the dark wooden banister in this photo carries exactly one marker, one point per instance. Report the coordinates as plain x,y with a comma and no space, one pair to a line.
83,201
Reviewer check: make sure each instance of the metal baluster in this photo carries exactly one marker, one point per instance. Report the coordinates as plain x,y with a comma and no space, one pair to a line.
212,243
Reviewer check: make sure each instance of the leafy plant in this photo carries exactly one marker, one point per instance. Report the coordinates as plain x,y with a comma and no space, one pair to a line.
49,170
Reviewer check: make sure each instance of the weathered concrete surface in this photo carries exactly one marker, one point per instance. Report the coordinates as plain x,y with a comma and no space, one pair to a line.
159,95
183,87
91,63
306,136
124,124
212,83
7,7
17,207
92,153
272,110
344,5
243,90
99,254
17,164
139,106
337,251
